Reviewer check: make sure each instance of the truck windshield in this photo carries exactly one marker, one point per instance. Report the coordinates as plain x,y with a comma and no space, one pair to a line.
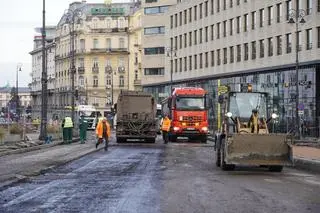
242,104
190,103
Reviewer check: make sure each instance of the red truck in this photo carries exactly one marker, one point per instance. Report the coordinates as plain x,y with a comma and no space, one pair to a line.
187,110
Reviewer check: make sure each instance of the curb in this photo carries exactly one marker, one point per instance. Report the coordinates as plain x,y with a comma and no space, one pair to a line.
33,148
307,164
22,178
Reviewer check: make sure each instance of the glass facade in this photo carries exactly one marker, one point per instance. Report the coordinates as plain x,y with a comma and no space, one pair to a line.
281,88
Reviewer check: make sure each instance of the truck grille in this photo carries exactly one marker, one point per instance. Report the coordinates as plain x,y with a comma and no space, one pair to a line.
191,119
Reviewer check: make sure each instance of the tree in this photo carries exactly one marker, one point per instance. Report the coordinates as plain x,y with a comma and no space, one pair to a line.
14,102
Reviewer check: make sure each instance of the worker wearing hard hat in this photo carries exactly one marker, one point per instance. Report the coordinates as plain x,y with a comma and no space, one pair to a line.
103,132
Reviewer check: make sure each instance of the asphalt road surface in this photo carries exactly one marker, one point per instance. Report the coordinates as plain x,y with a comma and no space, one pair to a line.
156,178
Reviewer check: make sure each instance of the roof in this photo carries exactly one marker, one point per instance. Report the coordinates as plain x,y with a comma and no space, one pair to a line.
189,91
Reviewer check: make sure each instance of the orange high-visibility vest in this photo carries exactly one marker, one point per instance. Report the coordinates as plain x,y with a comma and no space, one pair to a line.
99,129
166,123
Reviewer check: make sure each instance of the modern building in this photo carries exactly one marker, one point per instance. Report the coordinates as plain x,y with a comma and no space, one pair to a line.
36,74
236,43
154,21
101,50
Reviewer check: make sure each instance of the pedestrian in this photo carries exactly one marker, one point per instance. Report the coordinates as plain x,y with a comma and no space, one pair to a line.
166,123
103,132
83,126
67,126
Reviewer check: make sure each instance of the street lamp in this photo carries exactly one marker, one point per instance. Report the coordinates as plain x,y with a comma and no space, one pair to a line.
19,66
110,72
71,16
297,17
172,53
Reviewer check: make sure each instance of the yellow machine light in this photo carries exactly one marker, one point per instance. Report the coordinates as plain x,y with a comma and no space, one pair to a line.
249,88
184,124
196,124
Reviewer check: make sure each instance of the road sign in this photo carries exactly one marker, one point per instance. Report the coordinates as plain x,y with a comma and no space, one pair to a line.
223,89
301,112
301,106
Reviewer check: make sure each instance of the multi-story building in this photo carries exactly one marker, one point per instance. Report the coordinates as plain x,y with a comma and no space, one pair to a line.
24,96
101,54
154,20
36,74
236,43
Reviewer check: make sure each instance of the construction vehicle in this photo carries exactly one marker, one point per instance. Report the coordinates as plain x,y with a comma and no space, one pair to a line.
136,116
186,108
89,112
244,137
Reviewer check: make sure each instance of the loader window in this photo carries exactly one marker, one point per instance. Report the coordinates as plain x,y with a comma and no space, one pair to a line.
190,103
242,104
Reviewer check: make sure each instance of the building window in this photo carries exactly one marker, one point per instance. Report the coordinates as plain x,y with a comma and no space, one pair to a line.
175,20
81,81
288,8
81,62
95,43
175,65
261,48
154,50
185,40
279,12
270,47
176,42
299,34
82,45
206,34
180,18
95,81
155,10
218,30
246,51
180,41
309,39
270,15
195,62
200,10
289,42
195,12
108,80
245,22
154,71
212,58
238,2
190,14
190,39
195,37
185,63
231,26
261,17
225,56
185,16
200,36
318,29
238,24
206,63
231,3
212,7
171,21
231,54
154,30
190,62
108,43
121,42
212,32
180,64
253,50
218,6
224,4
279,45
238,53
200,61
224,28
218,57
121,81
253,20
206,9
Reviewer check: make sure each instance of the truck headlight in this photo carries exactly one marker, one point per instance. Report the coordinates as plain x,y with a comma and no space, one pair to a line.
176,128
205,129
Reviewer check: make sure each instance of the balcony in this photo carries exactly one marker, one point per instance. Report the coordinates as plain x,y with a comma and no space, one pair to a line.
108,50
81,70
95,69
137,82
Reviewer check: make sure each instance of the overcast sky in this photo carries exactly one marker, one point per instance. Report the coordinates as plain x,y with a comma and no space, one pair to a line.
18,18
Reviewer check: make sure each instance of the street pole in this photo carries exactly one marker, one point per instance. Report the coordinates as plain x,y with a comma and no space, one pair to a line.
171,52
17,89
296,17
44,103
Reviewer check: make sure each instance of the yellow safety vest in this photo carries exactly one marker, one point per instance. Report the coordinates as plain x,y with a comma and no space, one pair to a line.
68,122
166,124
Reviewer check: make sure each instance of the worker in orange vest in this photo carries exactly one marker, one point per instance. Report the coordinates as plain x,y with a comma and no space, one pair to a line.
165,127
103,132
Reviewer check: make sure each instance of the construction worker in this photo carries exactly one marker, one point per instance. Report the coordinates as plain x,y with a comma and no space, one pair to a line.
165,127
67,126
103,132
254,121
83,126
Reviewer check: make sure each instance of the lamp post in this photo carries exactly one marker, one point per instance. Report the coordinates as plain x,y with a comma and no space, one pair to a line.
172,53
110,72
19,66
71,16
297,17
44,103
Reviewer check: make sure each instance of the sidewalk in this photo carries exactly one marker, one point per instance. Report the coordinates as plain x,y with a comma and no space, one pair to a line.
307,158
13,167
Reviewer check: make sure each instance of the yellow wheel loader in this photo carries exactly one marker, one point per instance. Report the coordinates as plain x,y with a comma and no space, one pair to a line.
244,137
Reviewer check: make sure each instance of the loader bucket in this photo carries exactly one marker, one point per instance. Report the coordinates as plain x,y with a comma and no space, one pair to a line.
258,149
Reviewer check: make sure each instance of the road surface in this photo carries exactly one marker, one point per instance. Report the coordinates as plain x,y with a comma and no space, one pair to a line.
156,178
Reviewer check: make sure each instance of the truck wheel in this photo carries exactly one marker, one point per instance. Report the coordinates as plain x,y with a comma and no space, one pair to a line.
218,158
223,165
121,140
275,168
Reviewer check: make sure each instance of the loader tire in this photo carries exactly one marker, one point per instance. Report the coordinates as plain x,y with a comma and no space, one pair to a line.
121,140
218,158
173,138
275,168
223,165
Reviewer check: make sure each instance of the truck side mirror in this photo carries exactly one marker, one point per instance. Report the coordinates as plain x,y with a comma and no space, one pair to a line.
169,103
